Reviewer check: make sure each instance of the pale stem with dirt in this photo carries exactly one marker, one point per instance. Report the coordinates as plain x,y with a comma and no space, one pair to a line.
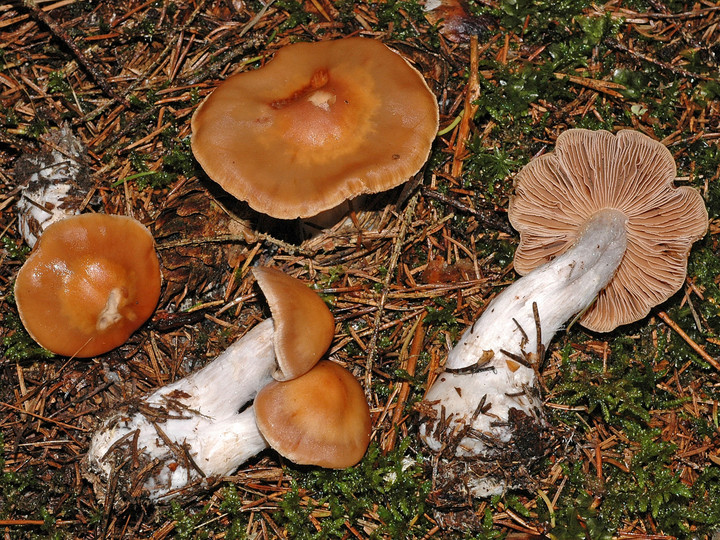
489,375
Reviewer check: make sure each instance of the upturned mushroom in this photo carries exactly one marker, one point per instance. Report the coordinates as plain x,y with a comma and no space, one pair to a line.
318,125
91,281
604,233
204,425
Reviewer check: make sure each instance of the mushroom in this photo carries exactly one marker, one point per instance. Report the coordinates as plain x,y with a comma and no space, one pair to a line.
201,426
90,282
318,125
320,418
454,20
303,327
603,232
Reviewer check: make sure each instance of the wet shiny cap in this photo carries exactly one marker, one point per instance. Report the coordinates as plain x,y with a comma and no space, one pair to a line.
90,282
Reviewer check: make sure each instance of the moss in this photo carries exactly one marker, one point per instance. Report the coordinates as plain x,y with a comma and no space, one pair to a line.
442,314
704,507
24,496
392,487
490,170
12,486
651,486
400,16
296,14
236,515
37,127
703,159
509,96
158,179
501,249
178,157
578,519
17,344
624,393
624,389
186,522
58,84
14,249
541,20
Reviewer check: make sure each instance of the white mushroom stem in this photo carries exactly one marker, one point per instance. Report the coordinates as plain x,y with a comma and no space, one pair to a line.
477,400
54,184
194,427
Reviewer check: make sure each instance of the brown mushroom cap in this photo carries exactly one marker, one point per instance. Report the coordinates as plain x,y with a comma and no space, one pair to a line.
590,171
318,125
304,326
90,282
320,418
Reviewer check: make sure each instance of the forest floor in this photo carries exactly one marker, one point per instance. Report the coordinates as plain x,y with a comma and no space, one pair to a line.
634,412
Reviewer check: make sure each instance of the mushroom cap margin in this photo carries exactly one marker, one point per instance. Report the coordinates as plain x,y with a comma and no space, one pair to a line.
588,171
304,326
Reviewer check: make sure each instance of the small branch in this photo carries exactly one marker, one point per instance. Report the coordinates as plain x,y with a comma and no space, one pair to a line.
472,93
697,348
613,44
606,87
410,364
696,14
486,217
392,265
63,36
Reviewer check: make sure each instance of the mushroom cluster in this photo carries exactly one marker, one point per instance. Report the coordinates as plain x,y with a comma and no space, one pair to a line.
321,124
604,233
318,125
205,425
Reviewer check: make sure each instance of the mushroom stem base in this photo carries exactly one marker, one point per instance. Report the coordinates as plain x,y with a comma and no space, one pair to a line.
486,406
187,432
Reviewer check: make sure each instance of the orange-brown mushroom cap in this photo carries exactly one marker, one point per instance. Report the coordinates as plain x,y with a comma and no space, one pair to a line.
304,326
90,282
588,171
320,418
318,125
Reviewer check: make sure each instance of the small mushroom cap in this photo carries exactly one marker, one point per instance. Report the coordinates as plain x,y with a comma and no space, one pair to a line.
90,282
589,171
304,326
321,418
318,125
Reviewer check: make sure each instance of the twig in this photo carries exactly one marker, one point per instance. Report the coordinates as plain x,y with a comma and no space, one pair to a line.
43,418
697,348
63,36
696,14
410,365
472,93
392,264
606,87
613,44
486,217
